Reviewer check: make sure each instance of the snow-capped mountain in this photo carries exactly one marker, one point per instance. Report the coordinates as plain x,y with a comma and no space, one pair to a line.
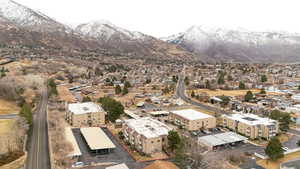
25,17
120,40
223,44
20,25
104,30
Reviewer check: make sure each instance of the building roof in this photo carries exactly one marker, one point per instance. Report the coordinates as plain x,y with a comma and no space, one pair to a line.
131,114
221,139
148,127
161,165
191,114
119,166
82,108
159,113
70,137
250,119
96,138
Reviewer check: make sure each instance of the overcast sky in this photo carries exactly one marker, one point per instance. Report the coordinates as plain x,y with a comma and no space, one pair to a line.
166,17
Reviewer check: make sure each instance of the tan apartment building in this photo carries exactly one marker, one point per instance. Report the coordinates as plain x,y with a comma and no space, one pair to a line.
192,120
85,114
147,135
251,125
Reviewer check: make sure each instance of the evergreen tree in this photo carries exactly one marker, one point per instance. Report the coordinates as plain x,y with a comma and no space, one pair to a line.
148,81
118,89
274,149
242,86
283,118
263,78
193,94
221,79
113,108
263,91
186,81
174,140
248,96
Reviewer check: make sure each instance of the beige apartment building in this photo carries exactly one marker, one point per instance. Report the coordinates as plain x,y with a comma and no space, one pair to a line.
192,120
85,114
251,125
147,135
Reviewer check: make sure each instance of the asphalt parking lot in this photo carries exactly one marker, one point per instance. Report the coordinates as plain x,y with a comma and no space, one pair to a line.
117,156
292,142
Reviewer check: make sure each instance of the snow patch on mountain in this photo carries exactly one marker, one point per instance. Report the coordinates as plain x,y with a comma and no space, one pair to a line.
105,30
26,17
205,34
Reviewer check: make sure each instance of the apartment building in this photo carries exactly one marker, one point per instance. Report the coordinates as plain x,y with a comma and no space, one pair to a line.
192,120
85,114
147,135
251,125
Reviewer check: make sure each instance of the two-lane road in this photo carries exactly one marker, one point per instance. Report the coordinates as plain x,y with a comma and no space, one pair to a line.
180,92
38,153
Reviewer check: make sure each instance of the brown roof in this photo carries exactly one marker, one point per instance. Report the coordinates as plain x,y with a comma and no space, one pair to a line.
161,165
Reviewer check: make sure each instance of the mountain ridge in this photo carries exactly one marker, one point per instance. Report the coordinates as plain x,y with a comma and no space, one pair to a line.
241,45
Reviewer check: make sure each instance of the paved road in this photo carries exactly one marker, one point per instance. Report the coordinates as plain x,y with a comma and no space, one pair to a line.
180,92
8,116
38,153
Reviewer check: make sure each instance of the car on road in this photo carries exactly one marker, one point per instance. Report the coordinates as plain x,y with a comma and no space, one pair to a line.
194,133
78,164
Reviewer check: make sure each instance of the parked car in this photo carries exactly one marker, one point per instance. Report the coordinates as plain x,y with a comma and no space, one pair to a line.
78,164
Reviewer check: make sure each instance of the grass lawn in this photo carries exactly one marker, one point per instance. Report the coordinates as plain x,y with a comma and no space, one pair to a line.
7,107
276,165
225,92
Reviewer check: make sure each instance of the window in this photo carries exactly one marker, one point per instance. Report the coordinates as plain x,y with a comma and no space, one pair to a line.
158,141
152,142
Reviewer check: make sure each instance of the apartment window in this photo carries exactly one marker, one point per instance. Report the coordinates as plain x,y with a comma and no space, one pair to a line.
152,142
158,141
163,139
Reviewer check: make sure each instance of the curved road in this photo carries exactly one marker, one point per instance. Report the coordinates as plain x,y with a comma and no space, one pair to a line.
180,92
38,152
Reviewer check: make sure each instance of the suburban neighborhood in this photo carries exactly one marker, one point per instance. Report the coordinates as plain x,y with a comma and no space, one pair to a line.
98,96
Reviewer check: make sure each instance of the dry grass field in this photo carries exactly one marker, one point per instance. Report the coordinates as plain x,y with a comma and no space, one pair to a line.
6,125
276,164
224,92
7,107
197,109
